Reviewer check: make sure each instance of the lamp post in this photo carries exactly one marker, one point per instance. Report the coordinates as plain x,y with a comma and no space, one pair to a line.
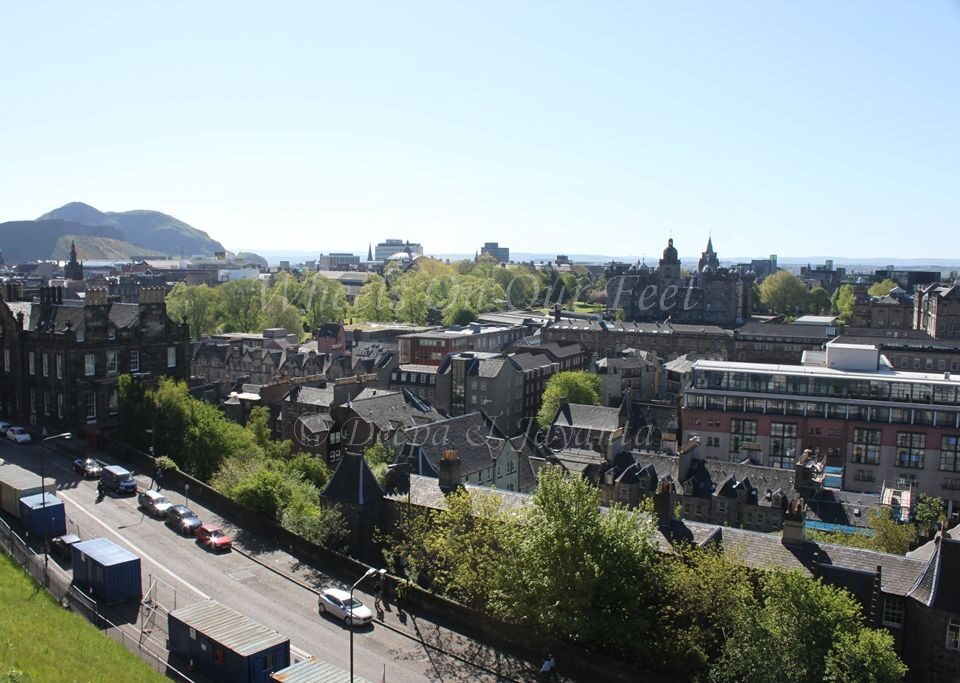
43,501
369,572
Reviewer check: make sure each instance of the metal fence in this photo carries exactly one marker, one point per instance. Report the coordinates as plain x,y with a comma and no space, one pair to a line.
147,638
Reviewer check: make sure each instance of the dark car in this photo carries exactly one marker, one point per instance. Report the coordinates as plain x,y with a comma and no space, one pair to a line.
211,537
183,520
88,467
60,546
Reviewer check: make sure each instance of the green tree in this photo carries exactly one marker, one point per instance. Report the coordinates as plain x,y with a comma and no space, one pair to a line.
784,293
324,300
310,468
882,288
705,590
572,387
889,536
265,491
378,457
571,563
317,523
459,551
412,307
788,639
456,314
241,305
869,656
819,302
928,513
195,304
278,312
843,300
373,303
258,425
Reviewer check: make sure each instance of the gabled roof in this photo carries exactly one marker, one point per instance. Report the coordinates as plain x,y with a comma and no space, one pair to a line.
595,418
937,586
312,396
389,410
353,482
475,437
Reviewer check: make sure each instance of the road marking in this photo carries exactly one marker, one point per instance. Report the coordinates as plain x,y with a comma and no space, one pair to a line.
134,546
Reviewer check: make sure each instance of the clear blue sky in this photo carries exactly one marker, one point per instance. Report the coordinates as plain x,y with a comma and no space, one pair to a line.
797,128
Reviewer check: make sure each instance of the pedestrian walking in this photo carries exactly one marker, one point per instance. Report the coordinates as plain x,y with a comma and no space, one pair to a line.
159,477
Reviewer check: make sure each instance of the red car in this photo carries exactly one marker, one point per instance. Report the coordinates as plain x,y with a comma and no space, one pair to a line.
211,537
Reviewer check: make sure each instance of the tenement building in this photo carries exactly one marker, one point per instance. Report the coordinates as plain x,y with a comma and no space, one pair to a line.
936,310
847,404
712,294
62,359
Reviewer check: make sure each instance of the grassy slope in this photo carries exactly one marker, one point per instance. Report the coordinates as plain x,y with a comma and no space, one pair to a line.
40,641
99,248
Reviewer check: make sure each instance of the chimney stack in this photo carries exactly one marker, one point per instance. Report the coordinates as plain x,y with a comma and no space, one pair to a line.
793,523
663,504
449,471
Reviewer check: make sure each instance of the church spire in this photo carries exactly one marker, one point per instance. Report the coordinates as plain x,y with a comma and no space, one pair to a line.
369,251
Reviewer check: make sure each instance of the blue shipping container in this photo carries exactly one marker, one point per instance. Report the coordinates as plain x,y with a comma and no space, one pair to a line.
43,515
225,645
107,571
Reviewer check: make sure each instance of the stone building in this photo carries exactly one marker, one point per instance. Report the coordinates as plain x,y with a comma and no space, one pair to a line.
712,295
62,360
936,310
893,310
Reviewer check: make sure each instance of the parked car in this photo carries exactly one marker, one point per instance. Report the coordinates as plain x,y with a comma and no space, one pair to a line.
18,434
60,546
88,467
154,503
4,426
211,537
339,603
183,520
118,480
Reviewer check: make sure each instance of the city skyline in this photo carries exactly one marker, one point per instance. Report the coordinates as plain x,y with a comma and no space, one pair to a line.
548,128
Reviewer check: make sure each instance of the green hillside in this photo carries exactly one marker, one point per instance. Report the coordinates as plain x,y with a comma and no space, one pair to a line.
100,248
43,642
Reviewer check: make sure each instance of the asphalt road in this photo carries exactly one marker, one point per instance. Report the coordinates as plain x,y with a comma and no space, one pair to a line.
181,573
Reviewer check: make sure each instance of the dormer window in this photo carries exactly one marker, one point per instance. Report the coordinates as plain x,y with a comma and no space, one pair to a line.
111,334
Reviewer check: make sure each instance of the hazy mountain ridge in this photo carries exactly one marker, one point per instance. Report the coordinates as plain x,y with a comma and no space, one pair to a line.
150,230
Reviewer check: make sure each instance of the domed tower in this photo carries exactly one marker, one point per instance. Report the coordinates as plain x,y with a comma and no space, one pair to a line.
670,266
74,269
709,258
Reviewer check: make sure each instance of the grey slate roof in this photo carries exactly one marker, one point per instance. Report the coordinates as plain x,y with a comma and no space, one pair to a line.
390,410
474,436
579,416
937,586
425,492
313,396
353,482
531,361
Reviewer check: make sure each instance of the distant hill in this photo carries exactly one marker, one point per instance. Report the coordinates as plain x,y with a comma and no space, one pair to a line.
24,241
151,229
248,257
99,249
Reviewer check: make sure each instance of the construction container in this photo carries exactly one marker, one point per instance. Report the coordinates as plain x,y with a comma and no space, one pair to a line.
42,515
225,645
105,570
16,482
313,670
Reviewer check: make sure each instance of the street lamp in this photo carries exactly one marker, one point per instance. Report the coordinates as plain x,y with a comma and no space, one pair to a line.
43,501
370,572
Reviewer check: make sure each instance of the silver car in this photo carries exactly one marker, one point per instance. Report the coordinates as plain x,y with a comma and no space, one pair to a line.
339,603
154,504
